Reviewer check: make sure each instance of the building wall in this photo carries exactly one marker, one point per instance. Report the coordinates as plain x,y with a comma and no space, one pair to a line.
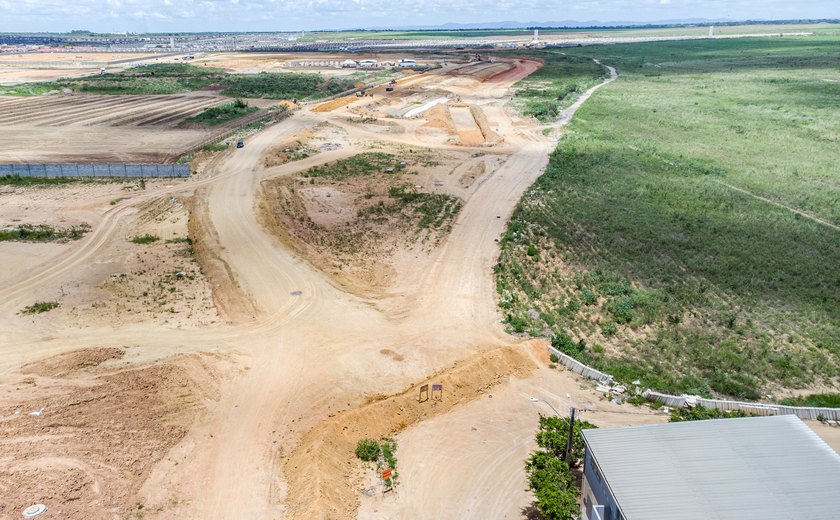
595,492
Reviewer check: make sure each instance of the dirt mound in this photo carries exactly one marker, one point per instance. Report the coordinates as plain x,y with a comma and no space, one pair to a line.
337,103
68,363
321,469
93,443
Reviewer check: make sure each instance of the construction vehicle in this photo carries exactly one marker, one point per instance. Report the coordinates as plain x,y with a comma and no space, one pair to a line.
390,87
240,143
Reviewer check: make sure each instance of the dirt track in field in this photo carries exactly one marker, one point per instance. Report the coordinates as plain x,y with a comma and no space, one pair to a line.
255,416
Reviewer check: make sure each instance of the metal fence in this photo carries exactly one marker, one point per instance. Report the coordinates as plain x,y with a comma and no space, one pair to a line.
803,412
95,170
674,401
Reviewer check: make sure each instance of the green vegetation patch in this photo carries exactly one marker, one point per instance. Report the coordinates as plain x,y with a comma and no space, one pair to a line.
223,113
284,85
367,450
367,163
548,90
554,481
43,233
637,253
144,239
699,413
40,307
17,180
815,400
174,78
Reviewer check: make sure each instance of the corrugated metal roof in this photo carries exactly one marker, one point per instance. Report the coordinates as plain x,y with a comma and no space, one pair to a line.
762,468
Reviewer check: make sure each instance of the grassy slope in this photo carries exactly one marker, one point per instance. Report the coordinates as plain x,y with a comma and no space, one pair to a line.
638,248
550,88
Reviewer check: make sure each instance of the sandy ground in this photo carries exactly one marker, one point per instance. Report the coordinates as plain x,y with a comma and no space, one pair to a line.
49,66
256,415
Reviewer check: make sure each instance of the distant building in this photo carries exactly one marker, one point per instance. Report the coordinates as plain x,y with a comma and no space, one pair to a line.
349,64
753,468
368,64
408,63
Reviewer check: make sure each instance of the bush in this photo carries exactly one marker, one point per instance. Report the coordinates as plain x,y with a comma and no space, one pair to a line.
700,414
609,329
145,239
554,358
40,307
367,450
588,297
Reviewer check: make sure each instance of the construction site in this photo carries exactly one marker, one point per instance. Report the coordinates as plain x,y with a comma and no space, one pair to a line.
215,346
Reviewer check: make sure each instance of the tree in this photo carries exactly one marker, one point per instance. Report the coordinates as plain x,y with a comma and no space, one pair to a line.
553,434
554,483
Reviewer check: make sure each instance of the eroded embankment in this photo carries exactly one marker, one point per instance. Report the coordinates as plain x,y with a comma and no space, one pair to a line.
320,471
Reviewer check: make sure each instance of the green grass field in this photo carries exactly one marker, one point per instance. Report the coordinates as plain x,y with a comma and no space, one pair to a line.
173,78
686,232
555,85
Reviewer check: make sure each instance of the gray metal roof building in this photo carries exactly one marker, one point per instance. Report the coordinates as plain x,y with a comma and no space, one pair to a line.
762,468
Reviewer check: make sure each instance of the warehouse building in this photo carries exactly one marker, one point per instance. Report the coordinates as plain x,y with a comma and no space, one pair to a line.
754,468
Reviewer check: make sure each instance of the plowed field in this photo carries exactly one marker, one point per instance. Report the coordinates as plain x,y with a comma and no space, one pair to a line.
79,128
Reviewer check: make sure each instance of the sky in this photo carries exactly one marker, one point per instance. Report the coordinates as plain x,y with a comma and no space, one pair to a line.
291,15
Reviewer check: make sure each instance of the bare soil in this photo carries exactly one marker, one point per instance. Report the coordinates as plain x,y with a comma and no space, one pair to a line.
101,128
96,436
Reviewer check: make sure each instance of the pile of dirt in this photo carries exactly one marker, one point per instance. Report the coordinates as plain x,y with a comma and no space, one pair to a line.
321,470
334,104
490,136
73,362
93,441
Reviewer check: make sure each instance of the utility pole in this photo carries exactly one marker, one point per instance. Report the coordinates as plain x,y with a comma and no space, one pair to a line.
571,431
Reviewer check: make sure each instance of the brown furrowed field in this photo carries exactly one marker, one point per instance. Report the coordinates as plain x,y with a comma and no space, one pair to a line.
75,128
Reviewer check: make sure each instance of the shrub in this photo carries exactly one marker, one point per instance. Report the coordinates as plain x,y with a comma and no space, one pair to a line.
554,358
609,329
367,450
588,297
145,239
40,307
700,414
